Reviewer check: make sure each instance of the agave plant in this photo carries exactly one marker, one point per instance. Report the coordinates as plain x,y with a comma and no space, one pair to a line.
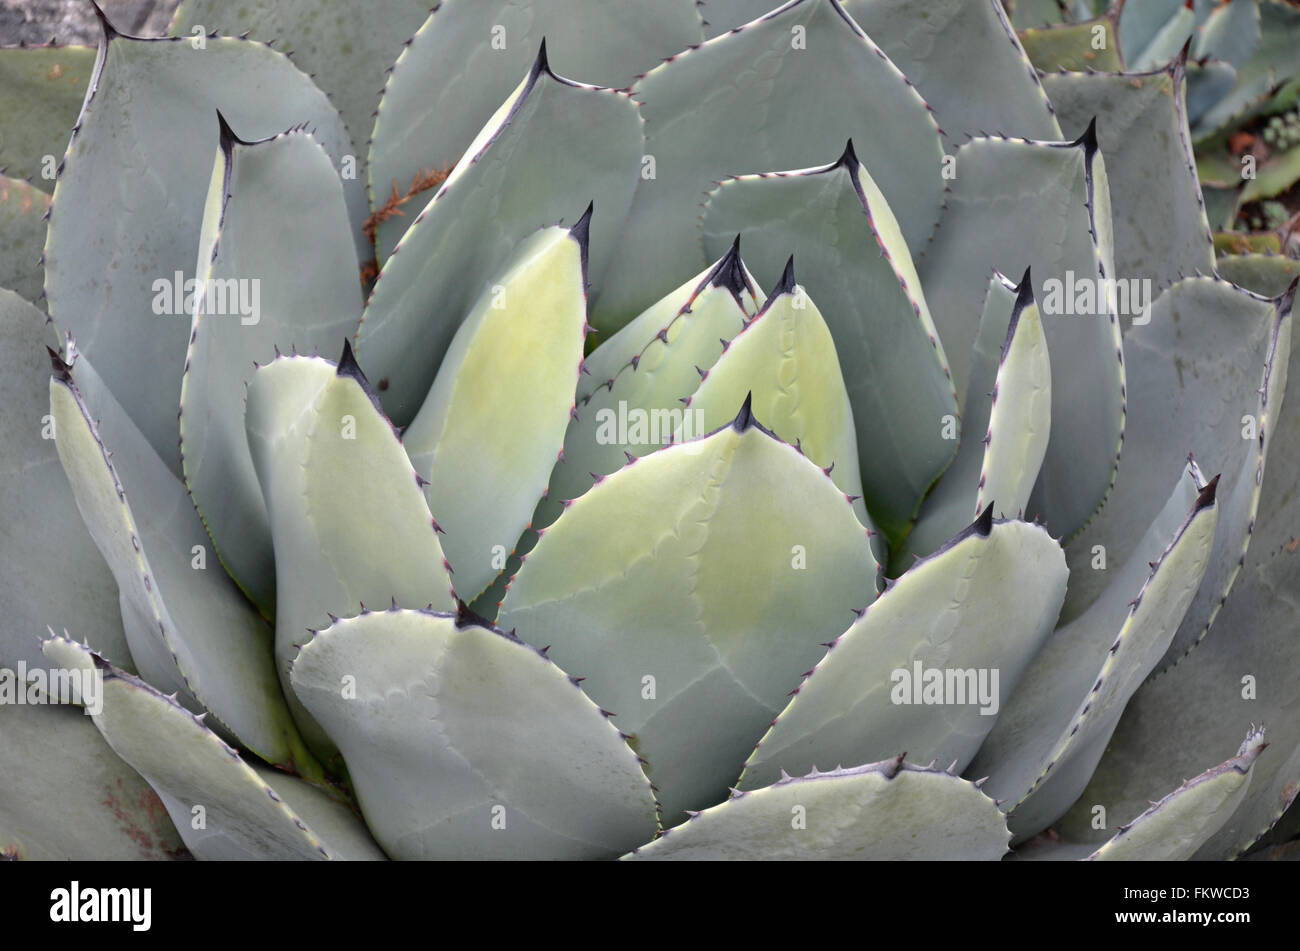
752,512
1241,64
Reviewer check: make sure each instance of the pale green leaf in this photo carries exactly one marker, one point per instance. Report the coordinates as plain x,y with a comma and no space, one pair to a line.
783,92
1053,731
464,742
695,568
493,423
43,541
221,806
129,203
888,811
281,275
188,627
974,614
467,58
349,521
1043,205
549,150
855,263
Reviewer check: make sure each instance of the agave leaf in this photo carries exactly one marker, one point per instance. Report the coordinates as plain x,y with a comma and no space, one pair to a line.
275,222
1265,274
347,47
220,805
986,601
117,241
43,541
466,59
1020,417
956,52
1176,826
64,794
463,741
953,502
348,518
1149,43
638,586
888,811
1207,83
1204,379
23,207
493,423
649,367
1160,228
852,254
1047,206
492,201
1274,177
723,16
1242,674
1276,59
1221,205
785,357
1052,733
44,87
783,92
188,626
1230,33
1076,47
1031,13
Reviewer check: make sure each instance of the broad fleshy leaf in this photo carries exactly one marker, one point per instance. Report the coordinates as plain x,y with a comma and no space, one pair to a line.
464,742
888,811
65,795
1242,674
188,627
1204,380
783,92
973,615
1266,274
1020,417
1051,735
466,59
855,262
1161,232
1043,205
349,521
122,244
965,59
537,160
630,399
1151,37
1176,826
43,540
490,429
785,360
221,806
346,46
1076,47
954,501
279,274
44,88
23,208
1275,59
639,586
